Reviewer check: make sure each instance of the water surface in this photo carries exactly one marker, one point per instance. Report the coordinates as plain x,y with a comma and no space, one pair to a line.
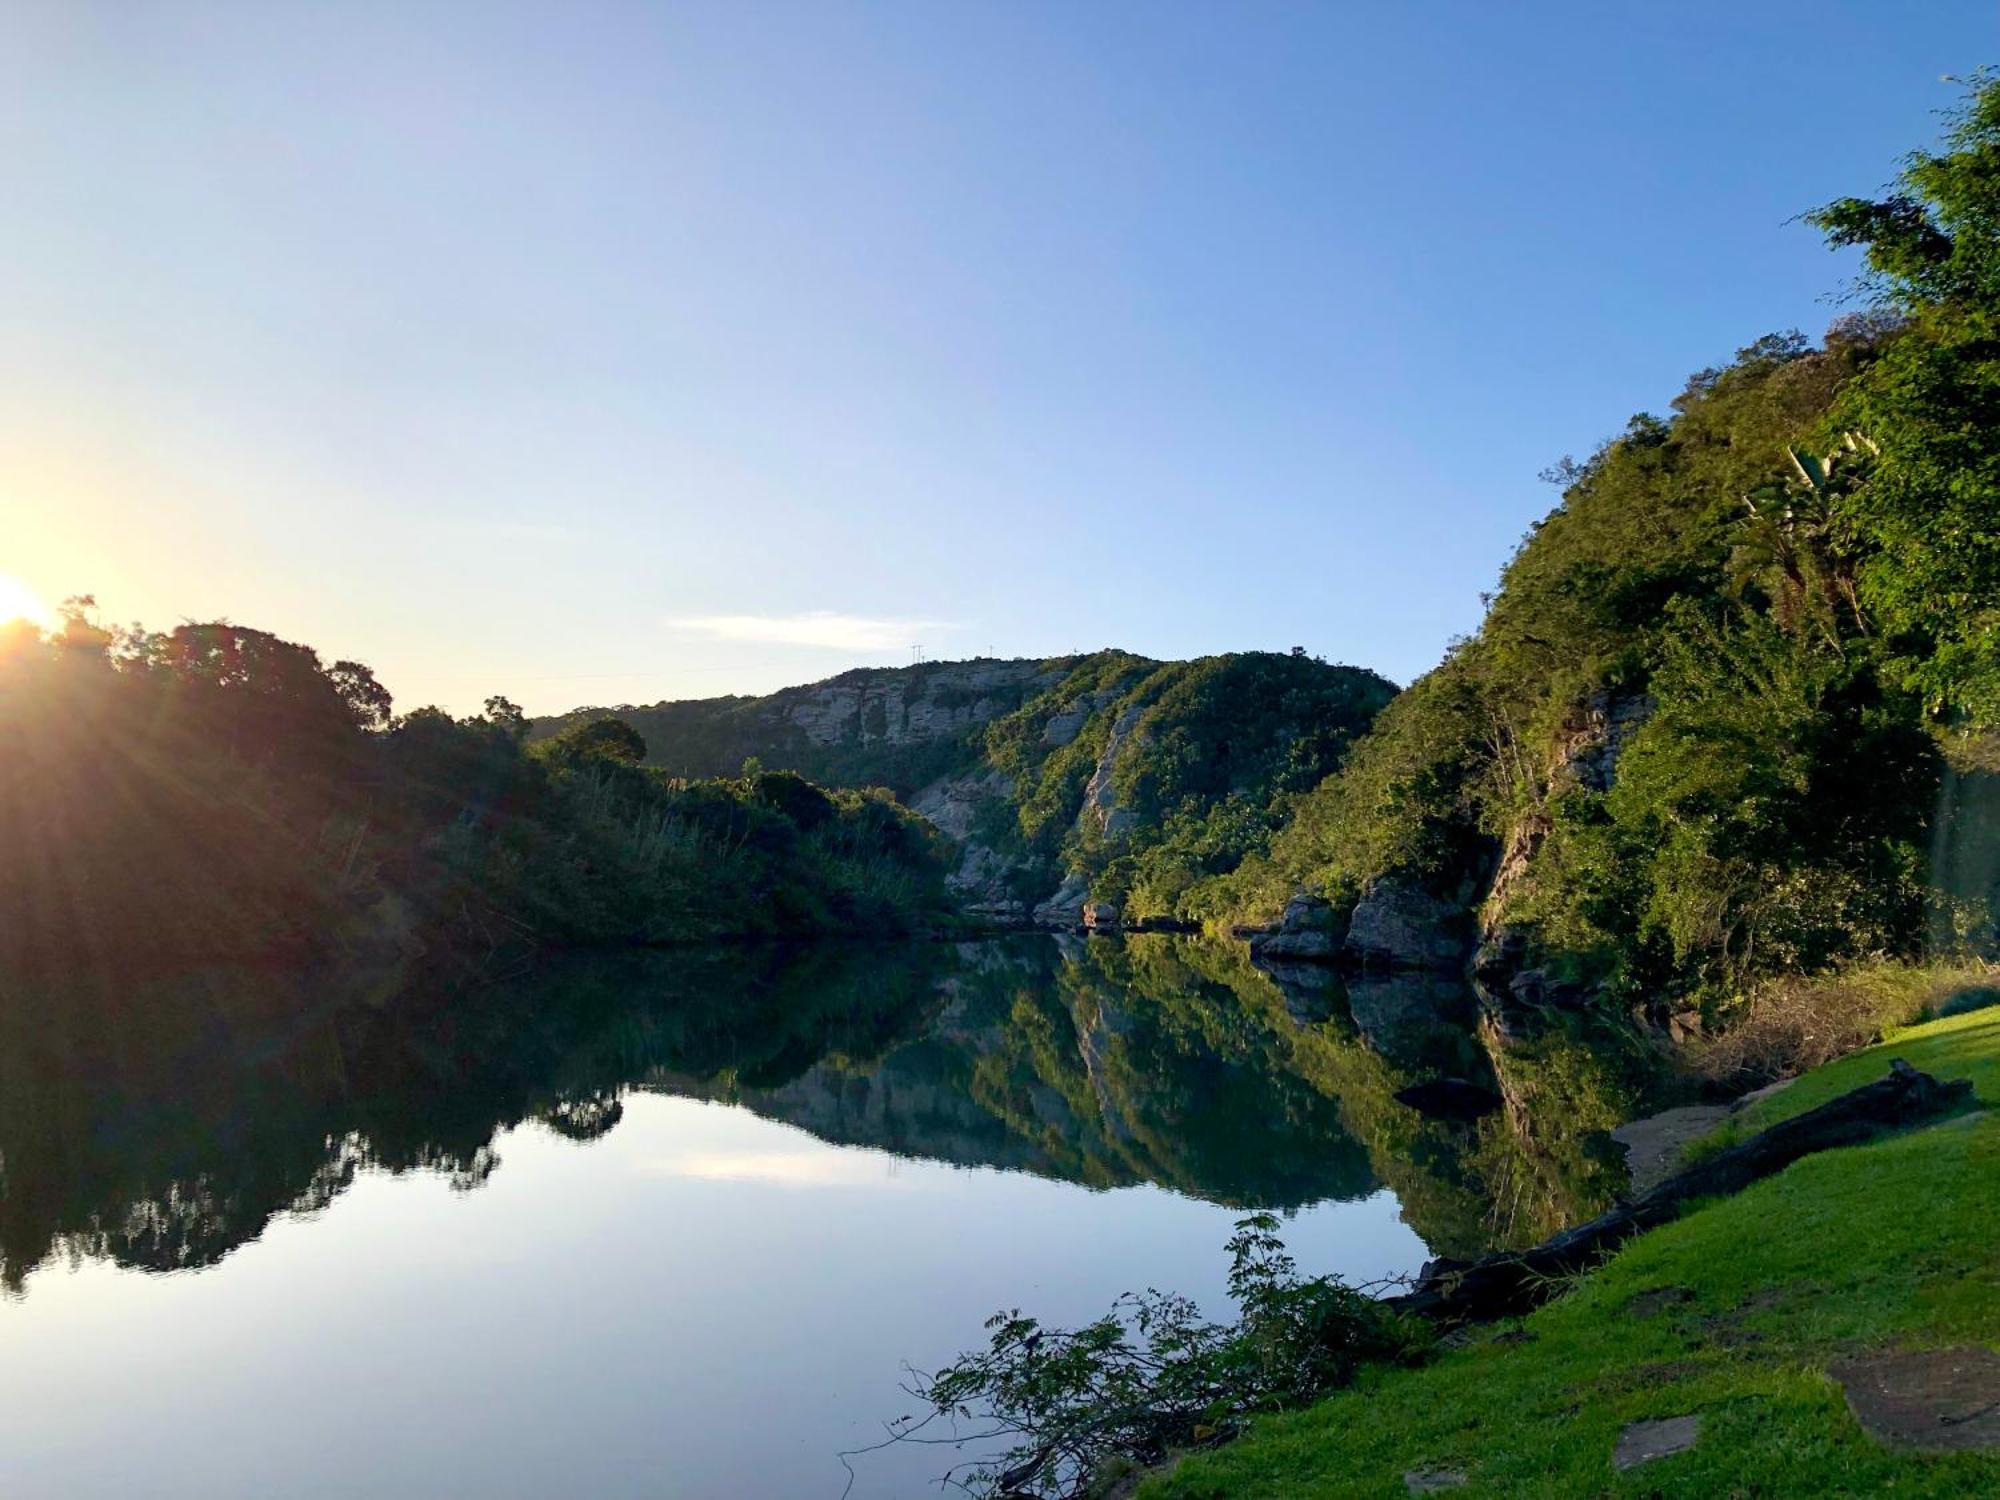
665,1224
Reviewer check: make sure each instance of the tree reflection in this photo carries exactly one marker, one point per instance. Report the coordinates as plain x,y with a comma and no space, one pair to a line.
161,1122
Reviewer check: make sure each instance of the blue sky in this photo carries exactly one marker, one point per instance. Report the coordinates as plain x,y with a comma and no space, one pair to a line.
605,353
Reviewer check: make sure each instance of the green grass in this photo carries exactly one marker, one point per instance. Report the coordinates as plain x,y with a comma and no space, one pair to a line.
1966,1046
1734,1311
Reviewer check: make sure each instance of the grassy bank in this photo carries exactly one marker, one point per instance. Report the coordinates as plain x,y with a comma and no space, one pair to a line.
1735,1313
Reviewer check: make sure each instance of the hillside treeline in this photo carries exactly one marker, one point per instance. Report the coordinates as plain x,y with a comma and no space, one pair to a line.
1732,711
214,791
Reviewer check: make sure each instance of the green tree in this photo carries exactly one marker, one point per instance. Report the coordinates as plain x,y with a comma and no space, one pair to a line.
1930,511
605,739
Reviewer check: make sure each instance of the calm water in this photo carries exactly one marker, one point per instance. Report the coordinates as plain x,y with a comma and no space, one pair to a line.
672,1225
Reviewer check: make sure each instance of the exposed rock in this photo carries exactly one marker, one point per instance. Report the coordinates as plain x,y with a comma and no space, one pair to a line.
1397,922
1589,754
1934,1400
1685,1026
1064,907
897,706
1100,916
1309,930
954,803
1306,911
1100,798
984,883
1653,1145
1067,722
1642,1442
1585,755
1293,947
986,880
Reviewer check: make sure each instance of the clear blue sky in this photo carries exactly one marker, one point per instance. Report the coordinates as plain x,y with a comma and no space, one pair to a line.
602,353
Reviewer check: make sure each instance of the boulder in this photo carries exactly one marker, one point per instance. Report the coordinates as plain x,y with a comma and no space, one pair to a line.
1398,923
1100,916
1309,931
1291,947
1064,906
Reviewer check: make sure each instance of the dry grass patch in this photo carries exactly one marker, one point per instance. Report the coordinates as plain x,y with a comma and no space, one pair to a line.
1791,1026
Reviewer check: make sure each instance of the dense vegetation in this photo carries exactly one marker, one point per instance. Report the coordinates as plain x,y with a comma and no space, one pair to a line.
1732,711
1180,771
1086,1406
213,791
1138,779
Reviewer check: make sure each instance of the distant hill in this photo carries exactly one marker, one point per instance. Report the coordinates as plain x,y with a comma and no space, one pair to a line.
1107,777
899,727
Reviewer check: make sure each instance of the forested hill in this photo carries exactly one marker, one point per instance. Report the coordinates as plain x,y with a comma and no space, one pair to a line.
1106,776
1734,711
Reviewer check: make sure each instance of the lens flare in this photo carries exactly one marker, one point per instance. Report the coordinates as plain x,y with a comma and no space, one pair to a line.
19,602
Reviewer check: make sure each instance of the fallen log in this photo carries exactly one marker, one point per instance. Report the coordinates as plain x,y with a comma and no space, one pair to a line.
1510,1283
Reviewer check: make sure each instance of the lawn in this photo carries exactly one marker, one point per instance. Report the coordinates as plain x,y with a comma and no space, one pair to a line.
1734,1312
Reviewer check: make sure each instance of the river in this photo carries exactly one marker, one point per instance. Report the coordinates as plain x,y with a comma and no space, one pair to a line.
674,1224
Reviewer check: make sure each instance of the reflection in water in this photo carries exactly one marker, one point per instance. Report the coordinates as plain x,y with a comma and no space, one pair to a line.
161,1124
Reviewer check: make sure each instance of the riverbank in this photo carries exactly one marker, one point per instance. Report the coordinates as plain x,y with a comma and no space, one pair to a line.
1746,1315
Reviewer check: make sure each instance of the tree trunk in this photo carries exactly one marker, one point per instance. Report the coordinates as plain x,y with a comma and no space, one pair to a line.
1506,1284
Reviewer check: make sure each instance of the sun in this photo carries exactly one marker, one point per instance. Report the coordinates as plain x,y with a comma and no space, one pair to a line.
19,602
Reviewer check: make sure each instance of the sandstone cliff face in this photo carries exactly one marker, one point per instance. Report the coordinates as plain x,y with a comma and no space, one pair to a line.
899,727
1100,796
995,878
895,707
955,804
986,881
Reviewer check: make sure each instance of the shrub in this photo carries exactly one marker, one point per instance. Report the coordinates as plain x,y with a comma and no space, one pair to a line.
1151,1376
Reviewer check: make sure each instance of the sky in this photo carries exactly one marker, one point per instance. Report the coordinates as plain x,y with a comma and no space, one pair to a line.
601,353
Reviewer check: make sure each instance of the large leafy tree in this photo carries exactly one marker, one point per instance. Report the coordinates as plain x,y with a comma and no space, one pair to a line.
1929,513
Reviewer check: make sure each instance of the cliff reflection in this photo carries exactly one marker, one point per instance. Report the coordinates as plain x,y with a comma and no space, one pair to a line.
162,1123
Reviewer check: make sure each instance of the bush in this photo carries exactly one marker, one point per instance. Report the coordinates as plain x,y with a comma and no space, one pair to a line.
1078,1406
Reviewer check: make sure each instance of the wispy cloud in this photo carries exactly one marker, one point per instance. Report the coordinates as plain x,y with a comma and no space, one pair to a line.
823,628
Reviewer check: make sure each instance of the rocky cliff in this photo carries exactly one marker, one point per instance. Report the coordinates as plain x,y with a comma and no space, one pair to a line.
1511,969
1096,788
899,727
